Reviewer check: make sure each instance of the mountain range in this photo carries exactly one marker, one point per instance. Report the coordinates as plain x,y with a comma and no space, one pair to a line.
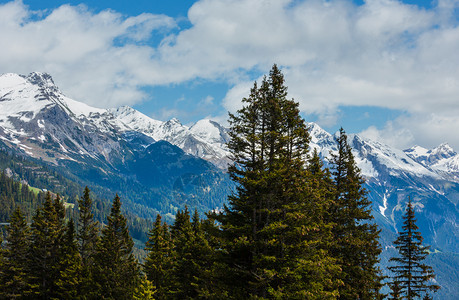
161,166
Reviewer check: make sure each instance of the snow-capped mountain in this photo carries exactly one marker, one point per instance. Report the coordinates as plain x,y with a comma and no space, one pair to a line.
443,160
37,118
24,119
428,177
205,139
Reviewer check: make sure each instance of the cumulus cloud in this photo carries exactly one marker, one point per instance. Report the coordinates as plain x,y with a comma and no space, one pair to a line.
95,57
383,53
427,130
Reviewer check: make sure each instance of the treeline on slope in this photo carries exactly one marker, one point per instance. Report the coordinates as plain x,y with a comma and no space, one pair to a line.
142,201
36,174
18,175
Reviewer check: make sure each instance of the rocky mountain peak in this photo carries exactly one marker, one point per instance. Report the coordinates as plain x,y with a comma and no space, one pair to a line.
43,80
173,121
444,151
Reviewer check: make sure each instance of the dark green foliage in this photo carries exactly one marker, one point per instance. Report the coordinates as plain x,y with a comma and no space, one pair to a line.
145,290
46,248
13,280
44,261
193,259
275,248
70,280
356,235
411,274
87,229
87,244
181,261
158,262
13,194
117,273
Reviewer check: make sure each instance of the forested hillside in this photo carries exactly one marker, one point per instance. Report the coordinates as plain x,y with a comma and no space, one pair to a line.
23,184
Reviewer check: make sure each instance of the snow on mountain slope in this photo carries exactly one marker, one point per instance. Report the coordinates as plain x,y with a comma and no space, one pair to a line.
371,157
210,131
127,118
25,96
23,99
37,118
383,156
442,160
13,87
205,139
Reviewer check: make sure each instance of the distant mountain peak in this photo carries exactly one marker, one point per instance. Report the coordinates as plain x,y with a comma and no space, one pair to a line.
41,79
174,121
444,150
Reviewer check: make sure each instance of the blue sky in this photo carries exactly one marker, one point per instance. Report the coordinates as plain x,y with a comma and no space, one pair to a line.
383,68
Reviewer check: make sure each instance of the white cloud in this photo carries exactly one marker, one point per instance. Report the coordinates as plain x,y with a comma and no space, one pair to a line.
426,129
334,53
209,100
93,57
398,137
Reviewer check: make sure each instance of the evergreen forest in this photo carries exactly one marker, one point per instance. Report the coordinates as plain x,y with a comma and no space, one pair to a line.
292,229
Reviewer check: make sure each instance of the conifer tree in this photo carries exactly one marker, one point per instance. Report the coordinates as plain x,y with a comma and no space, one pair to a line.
356,235
267,225
87,244
145,290
411,274
185,271
1,264
202,259
396,290
158,263
87,229
117,271
69,282
46,248
14,270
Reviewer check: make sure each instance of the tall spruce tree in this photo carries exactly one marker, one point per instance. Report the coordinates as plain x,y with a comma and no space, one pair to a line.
87,244
117,271
356,235
87,229
194,257
45,252
267,227
158,263
411,274
69,282
185,271
14,275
